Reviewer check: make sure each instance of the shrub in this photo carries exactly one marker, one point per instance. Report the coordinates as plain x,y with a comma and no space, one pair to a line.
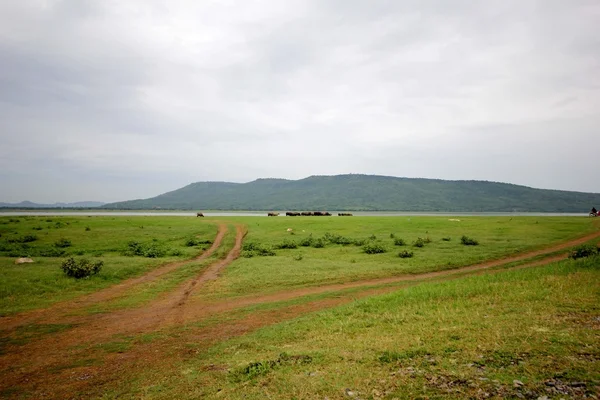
337,239
582,251
467,241
154,251
446,239
37,228
374,248
372,237
87,229
287,244
81,268
318,243
392,236
419,242
190,242
405,254
399,242
150,250
256,249
306,242
298,257
359,242
62,243
27,239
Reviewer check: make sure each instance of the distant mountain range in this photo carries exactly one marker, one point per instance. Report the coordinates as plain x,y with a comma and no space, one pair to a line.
366,193
29,204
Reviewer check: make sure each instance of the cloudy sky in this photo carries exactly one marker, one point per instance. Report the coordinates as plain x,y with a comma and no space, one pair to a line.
114,100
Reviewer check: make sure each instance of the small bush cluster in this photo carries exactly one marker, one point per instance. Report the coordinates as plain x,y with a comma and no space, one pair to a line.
22,239
337,239
63,243
192,241
399,242
374,248
420,242
150,250
446,239
287,244
255,249
81,268
405,254
467,241
583,251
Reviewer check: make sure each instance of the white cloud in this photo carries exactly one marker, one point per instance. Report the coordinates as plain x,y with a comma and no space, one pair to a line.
142,95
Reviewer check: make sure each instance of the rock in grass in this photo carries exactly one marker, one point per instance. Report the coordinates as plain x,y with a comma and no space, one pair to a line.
23,260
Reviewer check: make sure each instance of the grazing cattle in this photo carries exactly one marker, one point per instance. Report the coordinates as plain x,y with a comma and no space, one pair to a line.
273,214
327,214
307,213
344,214
292,214
199,215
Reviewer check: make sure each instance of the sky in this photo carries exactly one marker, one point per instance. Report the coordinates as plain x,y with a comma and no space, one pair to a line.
112,100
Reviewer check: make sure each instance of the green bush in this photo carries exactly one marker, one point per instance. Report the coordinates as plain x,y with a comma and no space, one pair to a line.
256,249
287,244
62,243
583,251
399,242
405,254
337,239
298,257
359,242
81,268
467,241
374,248
150,250
446,239
306,242
420,242
318,243
23,239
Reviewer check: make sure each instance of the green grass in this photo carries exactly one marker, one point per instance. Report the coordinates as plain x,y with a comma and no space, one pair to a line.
147,292
335,263
28,286
453,339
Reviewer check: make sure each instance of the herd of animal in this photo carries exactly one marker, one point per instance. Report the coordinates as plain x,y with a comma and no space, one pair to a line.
298,214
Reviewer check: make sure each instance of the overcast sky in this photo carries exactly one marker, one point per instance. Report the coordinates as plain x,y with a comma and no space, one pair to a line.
114,100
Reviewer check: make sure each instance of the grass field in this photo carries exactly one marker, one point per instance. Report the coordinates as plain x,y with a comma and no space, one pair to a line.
468,338
299,308
27,286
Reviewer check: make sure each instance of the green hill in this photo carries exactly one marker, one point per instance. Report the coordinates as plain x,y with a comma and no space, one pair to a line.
366,193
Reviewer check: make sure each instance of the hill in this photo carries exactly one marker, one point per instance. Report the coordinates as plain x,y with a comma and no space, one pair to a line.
366,193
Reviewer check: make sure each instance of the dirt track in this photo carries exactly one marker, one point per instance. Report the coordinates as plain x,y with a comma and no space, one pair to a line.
29,366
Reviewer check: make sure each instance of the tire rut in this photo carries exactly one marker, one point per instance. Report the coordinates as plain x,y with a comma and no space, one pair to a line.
35,358
54,312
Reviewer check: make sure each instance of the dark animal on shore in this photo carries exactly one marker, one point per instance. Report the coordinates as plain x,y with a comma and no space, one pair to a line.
292,214
344,214
327,214
273,214
199,215
307,213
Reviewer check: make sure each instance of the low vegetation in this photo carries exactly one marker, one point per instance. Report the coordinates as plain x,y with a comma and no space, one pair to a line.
81,268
